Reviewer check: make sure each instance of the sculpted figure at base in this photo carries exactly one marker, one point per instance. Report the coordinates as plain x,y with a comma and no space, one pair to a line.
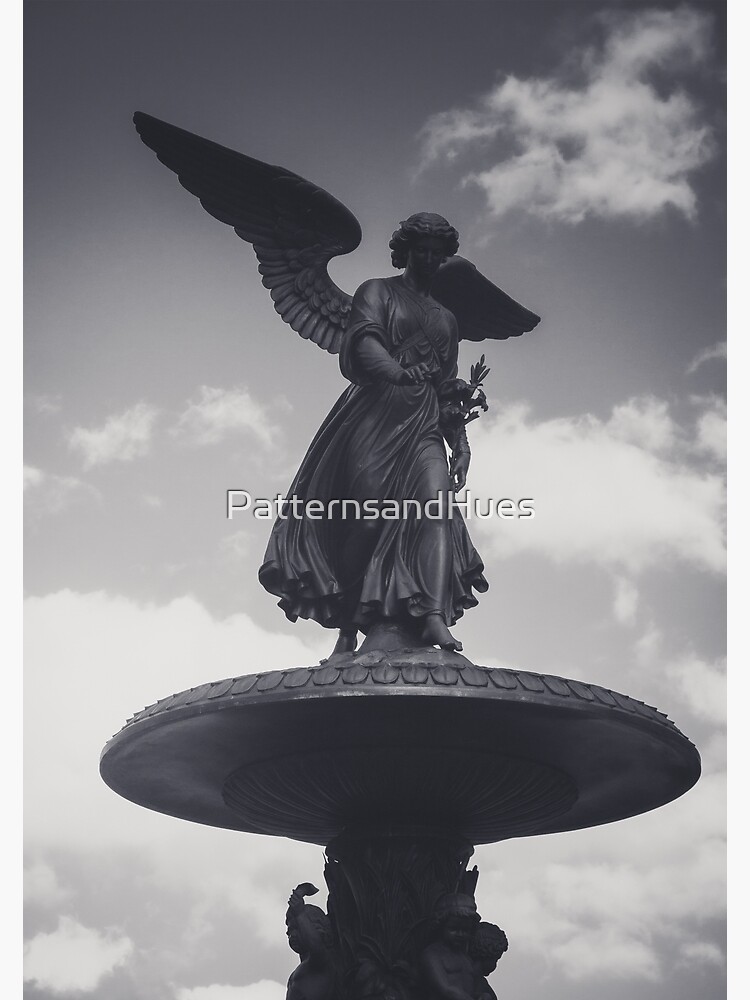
487,946
308,931
446,968
463,952
384,440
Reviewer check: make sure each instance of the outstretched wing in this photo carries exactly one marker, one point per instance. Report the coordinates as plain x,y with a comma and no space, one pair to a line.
483,311
295,227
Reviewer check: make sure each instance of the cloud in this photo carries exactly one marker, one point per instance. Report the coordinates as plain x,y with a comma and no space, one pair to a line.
606,952
697,953
32,477
235,547
41,885
716,352
702,686
625,493
217,413
612,145
711,430
604,905
150,651
46,493
626,600
43,404
266,989
122,438
201,905
73,957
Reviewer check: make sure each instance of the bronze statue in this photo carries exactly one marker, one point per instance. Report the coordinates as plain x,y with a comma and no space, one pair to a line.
384,440
446,967
487,946
308,931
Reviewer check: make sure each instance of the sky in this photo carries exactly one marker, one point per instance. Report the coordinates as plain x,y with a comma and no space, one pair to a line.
578,149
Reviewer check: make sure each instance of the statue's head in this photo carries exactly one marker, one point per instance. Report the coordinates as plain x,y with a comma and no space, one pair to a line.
423,228
456,919
488,945
319,922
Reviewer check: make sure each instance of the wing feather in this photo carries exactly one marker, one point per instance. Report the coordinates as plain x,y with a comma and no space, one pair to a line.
295,227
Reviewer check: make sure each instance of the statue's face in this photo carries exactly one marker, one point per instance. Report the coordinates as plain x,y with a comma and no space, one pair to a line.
426,254
457,932
293,937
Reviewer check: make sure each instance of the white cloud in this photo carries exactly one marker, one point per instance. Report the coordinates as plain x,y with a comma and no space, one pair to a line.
31,477
217,413
625,493
647,645
46,493
626,600
606,952
122,438
150,651
717,352
265,989
644,422
711,431
697,953
613,146
41,885
702,686
235,547
610,903
45,405
73,957
130,655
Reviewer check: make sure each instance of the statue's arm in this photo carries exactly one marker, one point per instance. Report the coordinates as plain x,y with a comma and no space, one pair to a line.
373,359
364,356
454,431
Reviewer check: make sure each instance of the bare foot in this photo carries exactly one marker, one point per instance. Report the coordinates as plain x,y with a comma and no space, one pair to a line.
346,642
436,633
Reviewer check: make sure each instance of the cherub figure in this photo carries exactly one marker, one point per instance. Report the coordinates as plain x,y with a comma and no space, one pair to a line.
446,968
487,946
308,931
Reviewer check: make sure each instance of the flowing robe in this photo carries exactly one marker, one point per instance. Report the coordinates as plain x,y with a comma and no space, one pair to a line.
381,441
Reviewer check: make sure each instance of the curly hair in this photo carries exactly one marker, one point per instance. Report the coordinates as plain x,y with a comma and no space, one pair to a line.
489,941
421,224
321,922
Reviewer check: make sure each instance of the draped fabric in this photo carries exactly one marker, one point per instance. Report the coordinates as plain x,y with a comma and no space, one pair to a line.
380,442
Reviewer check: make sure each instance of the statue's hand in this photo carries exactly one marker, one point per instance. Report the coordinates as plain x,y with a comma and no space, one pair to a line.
459,469
415,374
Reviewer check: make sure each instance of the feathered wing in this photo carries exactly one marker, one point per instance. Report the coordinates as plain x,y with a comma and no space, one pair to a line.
295,227
482,310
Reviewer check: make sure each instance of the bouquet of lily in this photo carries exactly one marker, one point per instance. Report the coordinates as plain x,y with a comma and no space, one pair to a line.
461,401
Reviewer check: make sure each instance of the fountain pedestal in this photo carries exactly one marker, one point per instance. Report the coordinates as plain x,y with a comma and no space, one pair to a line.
398,761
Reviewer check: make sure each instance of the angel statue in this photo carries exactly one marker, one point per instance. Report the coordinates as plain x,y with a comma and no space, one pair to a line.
384,440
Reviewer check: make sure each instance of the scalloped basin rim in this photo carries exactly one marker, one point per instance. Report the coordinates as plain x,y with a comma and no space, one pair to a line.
510,733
